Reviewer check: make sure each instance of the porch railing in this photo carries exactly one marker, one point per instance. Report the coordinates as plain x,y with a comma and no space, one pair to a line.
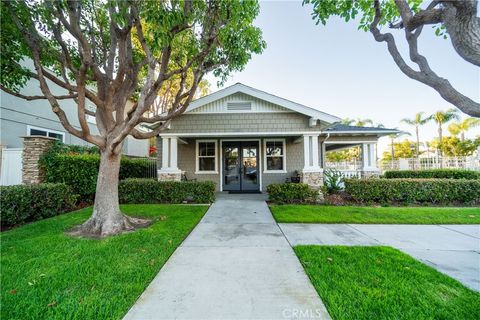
470,163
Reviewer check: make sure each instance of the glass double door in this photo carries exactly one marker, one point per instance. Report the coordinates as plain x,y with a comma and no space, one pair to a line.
240,166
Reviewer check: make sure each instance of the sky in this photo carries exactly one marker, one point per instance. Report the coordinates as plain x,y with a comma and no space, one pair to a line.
337,69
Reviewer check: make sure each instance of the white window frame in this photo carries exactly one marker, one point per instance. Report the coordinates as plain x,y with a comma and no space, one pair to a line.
197,157
47,131
284,156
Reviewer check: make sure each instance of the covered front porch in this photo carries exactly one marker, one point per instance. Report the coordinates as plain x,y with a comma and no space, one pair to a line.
249,162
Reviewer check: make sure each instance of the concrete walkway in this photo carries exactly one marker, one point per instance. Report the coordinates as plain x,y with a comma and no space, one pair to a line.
451,249
236,264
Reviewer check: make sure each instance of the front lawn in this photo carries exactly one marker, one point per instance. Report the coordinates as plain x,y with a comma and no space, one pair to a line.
48,275
381,215
384,283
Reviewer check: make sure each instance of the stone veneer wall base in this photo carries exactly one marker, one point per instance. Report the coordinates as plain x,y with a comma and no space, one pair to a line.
169,176
33,148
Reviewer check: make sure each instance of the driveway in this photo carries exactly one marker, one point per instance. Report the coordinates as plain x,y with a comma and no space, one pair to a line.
236,264
451,249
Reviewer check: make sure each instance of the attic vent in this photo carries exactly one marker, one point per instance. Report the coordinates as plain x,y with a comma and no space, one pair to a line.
239,106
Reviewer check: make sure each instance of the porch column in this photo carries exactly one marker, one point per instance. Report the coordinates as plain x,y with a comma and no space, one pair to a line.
312,173
323,154
173,153
369,160
169,170
310,152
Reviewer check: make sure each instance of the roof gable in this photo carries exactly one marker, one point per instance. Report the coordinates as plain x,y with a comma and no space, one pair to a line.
265,102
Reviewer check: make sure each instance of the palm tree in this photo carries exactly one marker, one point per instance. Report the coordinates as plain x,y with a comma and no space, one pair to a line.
442,117
394,136
417,121
363,122
461,127
347,121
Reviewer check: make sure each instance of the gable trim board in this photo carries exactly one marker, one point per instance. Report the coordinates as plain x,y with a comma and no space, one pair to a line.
266,134
241,88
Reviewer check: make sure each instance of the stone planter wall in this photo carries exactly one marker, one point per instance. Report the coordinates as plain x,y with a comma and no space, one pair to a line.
169,176
33,148
314,179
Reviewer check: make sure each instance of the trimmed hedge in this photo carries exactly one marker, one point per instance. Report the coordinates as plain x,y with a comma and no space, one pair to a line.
25,203
291,193
153,191
433,174
80,171
435,191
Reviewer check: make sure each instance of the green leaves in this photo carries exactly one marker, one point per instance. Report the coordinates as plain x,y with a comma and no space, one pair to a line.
153,191
407,191
353,9
291,193
23,203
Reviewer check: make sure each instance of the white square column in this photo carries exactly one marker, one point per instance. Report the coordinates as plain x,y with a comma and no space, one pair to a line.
369,157
312,173
310,153
165,153
169,170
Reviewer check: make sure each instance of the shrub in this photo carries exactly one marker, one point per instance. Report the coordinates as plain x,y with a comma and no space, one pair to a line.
153,191
443,191
433,174
24,203
333,181
80,171
291,193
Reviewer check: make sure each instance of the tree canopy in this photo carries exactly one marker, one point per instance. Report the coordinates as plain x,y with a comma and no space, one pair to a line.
456,20
105,53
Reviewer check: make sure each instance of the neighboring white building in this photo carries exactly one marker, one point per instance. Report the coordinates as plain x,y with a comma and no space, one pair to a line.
19,117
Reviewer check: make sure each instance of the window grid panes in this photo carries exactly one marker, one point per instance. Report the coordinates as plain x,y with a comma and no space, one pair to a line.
206,156
46,133
275,155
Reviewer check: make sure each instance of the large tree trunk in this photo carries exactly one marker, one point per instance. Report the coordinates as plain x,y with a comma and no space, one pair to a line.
107,219
463,27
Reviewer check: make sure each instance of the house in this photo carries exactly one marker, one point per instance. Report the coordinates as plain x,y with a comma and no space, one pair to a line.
19,118
244,139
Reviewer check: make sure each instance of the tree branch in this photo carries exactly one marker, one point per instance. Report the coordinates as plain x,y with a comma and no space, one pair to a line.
30,98
425,75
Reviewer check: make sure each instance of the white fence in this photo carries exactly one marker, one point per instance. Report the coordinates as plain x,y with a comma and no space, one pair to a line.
470,163
11,167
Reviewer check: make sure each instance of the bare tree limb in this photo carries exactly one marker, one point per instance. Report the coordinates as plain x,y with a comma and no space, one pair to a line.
425,75
30,98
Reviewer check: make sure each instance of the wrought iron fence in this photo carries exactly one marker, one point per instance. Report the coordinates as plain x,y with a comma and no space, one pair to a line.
149,166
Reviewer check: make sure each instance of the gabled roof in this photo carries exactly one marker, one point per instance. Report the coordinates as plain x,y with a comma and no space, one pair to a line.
343,128
239,87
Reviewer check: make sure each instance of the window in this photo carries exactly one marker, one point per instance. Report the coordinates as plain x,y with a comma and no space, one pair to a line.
34,131
206,156
275,155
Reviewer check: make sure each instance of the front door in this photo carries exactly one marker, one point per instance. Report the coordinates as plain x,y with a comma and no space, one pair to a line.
240,166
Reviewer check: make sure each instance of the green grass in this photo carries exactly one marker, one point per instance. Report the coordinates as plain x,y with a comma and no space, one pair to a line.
384,283
382,215
48,275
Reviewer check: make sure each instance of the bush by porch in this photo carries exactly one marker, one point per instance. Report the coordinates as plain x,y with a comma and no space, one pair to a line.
152,191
